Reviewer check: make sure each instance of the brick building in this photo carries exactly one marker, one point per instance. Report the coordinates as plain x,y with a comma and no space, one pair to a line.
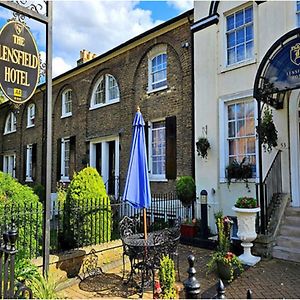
94,106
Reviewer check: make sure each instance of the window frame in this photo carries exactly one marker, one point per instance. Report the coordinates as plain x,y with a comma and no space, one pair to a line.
64,112
155,177
30,117
29,165
224,102
155,52
297,13
65,177
7,162
12,119
234,12
104,79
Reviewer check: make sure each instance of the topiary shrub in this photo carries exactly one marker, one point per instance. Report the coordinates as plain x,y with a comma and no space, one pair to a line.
87,211
186,190
20,203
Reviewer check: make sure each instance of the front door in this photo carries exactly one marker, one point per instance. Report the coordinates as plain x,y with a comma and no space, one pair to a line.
104,156
294,114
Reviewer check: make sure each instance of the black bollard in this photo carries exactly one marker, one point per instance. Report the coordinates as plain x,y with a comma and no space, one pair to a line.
191,285
220,290
249,294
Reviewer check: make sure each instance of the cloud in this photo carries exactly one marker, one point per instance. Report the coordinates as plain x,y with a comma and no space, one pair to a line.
96,26
181,5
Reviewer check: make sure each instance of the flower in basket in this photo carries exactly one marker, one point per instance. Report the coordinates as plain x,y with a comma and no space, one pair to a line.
225,263
246,202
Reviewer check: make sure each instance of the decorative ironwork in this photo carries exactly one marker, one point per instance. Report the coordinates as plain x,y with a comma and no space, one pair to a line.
36,6
90,266
270,95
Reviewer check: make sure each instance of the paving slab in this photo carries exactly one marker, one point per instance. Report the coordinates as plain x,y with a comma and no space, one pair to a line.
273,278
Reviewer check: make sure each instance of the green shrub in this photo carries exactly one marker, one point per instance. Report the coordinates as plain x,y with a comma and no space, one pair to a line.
39,190
20,203
166,276
44,288
186,190
87,211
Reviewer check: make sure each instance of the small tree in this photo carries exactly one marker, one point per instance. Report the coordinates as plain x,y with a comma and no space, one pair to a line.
87,211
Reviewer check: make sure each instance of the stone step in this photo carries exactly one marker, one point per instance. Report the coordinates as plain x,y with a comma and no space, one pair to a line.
292,211
291,254
292,220
288,230
288,242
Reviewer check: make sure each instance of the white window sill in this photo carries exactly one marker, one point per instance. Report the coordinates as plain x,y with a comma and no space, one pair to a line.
150,91
28,179
250,180
241,64
30,126
104,104
9,132
66,116
158,179
65,179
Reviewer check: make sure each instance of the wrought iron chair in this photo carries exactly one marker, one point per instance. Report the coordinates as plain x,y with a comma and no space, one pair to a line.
174,240
127,227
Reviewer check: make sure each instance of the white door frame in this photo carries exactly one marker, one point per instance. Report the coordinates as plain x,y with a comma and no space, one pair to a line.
104,152
295,147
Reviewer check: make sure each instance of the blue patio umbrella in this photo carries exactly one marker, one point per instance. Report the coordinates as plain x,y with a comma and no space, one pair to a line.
137,188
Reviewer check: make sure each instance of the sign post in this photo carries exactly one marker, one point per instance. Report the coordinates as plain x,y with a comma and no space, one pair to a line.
21,83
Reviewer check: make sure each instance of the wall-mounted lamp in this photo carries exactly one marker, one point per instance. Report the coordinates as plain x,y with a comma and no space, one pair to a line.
185,45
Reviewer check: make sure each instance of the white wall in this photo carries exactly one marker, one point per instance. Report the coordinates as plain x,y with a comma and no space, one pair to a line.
214,82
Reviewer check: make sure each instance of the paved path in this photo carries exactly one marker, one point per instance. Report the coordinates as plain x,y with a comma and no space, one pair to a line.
268,279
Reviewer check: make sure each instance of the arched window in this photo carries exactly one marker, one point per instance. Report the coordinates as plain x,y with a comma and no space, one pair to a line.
66,105
106,91
10,123
157,68
30,115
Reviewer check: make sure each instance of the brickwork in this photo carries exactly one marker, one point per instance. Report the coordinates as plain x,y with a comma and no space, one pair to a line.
130,69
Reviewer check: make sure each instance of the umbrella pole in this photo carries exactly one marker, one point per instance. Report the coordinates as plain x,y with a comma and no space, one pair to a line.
145,224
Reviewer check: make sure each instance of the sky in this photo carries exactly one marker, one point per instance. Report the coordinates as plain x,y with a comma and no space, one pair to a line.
97,25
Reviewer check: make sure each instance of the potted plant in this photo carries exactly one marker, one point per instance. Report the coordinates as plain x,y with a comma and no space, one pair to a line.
267,131
186,192
202,147
223,260
246,209
189,228
239,171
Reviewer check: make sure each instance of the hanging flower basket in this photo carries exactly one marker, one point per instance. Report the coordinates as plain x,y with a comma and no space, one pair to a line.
202,147
267,131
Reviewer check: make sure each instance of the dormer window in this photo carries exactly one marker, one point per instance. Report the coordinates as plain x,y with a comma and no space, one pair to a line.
10,123
66,104
30,115
106,91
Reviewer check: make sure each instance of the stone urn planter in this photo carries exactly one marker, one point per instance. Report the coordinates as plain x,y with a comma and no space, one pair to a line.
246,233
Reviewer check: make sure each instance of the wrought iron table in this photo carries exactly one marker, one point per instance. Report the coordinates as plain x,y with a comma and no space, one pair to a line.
145,255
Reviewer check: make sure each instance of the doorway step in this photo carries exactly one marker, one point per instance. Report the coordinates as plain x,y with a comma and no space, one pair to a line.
288,240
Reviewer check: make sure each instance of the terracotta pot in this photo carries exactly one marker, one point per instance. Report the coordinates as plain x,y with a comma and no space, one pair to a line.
188,230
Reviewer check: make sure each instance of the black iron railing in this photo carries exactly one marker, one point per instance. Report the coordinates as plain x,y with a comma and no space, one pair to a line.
90,222
272,186
9,287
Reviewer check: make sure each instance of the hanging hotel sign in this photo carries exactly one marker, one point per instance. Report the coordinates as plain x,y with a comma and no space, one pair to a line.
19,62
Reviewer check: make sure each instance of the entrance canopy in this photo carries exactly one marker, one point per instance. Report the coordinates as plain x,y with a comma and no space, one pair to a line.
279,71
